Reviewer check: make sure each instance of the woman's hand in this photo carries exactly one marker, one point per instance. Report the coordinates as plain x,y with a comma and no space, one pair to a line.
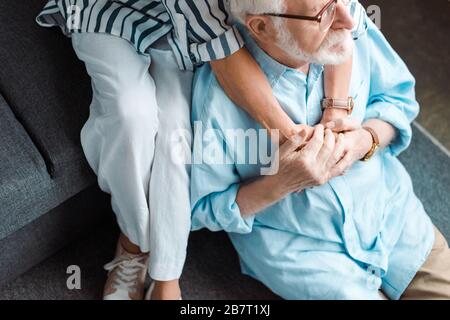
357,143
331,114
301,133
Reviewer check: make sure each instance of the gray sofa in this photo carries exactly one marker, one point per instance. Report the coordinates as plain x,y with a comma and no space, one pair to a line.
48,194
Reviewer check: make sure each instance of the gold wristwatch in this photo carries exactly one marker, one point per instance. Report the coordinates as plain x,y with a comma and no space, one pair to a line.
375,144
345,104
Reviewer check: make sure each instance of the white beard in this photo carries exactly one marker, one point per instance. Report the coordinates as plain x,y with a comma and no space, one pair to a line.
326,54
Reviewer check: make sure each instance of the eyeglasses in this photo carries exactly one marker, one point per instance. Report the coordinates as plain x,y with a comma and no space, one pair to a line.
325,17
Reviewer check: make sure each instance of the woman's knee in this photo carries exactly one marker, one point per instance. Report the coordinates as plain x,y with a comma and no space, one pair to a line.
133,111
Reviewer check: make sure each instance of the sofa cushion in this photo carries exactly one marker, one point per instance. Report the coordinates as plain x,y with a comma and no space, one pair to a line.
44,83
23,175
26,189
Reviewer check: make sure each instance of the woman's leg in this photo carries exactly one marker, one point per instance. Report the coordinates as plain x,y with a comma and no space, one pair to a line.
119,140
169,185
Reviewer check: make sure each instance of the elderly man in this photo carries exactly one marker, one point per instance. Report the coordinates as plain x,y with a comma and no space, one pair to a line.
324,225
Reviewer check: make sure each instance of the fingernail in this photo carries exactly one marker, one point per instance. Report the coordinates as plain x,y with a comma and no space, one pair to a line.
331,124
302,133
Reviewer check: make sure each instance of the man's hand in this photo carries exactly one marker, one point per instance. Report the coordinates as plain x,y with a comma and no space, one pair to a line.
301,165
311,165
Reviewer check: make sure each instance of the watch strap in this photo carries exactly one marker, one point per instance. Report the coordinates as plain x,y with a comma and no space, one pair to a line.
346,104
375,144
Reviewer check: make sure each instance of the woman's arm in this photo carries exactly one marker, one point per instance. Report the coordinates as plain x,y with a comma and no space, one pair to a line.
337,86
249,88
337,80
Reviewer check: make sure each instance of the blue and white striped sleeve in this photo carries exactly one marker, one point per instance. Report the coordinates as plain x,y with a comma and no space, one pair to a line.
212,36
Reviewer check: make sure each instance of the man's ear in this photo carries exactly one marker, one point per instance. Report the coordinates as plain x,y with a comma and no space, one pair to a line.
260,27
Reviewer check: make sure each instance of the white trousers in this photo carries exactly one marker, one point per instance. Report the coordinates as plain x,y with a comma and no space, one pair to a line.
140,110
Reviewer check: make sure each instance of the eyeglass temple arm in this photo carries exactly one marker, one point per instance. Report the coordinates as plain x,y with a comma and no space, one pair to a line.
290,16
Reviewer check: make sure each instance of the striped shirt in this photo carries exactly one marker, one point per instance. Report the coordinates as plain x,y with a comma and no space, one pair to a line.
197,30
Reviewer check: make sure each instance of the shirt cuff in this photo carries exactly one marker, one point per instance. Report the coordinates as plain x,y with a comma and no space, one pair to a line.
218,48
396,117
229,214
224,213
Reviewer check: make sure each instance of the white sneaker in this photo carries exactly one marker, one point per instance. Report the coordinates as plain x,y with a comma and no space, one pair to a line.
126,276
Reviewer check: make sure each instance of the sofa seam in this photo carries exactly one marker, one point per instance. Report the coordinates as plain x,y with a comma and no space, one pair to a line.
50,168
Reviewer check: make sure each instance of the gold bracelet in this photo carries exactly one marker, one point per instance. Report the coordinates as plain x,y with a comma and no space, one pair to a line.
375,144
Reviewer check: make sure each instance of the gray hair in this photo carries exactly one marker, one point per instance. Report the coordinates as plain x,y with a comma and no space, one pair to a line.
241,8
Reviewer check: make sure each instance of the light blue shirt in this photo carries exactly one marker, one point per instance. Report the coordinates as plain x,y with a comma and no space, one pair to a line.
341,240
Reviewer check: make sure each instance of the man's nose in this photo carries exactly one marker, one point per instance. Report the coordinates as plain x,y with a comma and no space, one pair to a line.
343,19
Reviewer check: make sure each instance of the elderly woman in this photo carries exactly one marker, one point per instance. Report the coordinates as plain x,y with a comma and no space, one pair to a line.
323,224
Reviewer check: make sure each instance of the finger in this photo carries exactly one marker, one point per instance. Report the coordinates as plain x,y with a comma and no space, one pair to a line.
339,150
294,142
315,144
340,147
345,124
309,132
305,131
327,148
342,166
